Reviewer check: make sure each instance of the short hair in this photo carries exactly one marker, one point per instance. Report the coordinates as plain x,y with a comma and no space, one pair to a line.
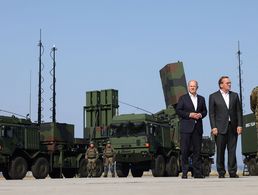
192,81
221,79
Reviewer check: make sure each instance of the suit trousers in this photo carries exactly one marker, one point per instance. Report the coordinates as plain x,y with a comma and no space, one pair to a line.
191,140
229,141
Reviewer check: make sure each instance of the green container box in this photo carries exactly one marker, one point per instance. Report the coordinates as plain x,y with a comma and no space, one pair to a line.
109,97
92,98
57,132
109,105
249,136
92,118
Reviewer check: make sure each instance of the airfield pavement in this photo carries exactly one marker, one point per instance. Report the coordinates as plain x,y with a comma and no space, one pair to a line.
146,185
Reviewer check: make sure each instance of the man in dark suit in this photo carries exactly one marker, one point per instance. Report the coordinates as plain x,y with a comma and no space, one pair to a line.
191,109
226,124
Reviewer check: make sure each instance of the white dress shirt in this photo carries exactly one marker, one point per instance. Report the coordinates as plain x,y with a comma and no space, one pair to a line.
226,99
194,100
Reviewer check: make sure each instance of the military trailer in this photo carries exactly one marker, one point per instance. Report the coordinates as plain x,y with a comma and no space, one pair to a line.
49,150
250,145
66,154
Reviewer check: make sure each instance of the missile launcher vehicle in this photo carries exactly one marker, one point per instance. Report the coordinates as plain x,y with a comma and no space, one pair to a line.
152,142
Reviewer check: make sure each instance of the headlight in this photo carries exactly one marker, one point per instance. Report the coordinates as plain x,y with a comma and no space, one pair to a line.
147,145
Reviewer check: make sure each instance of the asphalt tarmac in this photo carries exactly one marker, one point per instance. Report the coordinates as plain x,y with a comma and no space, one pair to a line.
147,185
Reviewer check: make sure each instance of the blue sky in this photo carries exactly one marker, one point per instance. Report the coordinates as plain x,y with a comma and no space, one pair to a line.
122,45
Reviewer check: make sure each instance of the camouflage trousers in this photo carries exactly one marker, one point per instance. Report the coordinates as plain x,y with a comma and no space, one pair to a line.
109,163
91,166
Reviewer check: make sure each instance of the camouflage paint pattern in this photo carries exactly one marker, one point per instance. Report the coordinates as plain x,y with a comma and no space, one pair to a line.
173,82
155,131
16,132
254,104
172,119
57,132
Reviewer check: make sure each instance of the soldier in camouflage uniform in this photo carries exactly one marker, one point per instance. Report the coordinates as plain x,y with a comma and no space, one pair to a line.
91,156
109,156
254,103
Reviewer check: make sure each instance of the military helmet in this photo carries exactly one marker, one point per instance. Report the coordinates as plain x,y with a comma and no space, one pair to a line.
92,142
108,142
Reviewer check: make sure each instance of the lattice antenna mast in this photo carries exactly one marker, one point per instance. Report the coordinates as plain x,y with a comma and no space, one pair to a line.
240,77
53,86
41,79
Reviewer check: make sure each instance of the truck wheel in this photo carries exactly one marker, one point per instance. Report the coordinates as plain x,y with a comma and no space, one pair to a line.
68,173
252,167
99,168
55,173
40,168
122,169
206,168
136,172
83,171
18,168
172,167
6,174
158,167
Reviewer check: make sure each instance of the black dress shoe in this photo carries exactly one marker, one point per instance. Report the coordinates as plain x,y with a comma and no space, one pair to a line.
233,176
199,176
184,176
221,176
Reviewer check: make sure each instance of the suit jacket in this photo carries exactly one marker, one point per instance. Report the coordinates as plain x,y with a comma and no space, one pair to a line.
219,113
185,107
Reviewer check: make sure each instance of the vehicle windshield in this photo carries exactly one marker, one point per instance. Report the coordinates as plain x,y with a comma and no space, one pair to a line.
128,129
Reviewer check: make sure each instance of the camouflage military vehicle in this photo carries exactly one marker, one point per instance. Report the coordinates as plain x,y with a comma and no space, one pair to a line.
249,139
100,108
250,136
174,86
19,148
143,142
148,142
51,150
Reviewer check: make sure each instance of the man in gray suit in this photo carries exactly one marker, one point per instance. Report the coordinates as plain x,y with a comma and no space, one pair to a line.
226,124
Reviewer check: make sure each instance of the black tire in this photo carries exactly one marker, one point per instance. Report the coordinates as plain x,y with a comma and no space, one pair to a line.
252,167
172,169
40,168
158,167
83,171
206,168
55,173
68,173
122,169
99,168
18,168
136,172
6,174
